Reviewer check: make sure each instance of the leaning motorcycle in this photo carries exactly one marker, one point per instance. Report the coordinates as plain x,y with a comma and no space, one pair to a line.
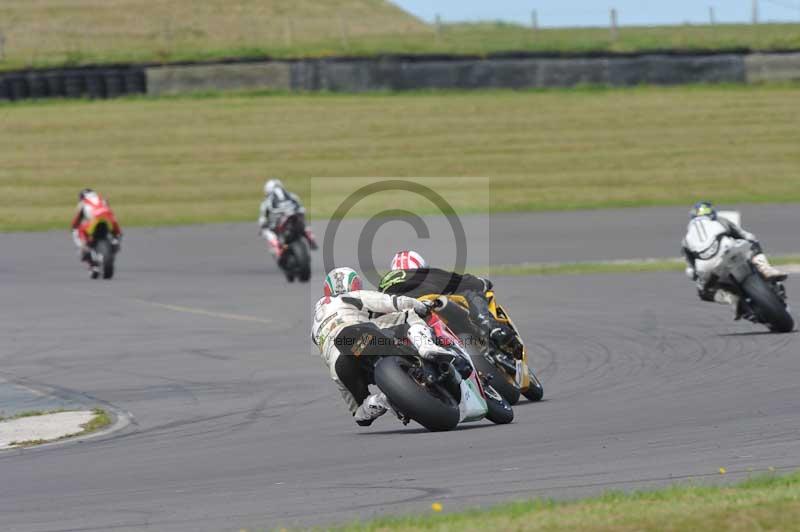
436,394
295,262
762,301
509,376
103,248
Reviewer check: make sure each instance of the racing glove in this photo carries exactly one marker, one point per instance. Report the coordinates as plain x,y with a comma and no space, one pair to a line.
421,308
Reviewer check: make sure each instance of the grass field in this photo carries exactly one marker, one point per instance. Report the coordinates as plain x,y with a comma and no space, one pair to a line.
762,503
54,32
204,159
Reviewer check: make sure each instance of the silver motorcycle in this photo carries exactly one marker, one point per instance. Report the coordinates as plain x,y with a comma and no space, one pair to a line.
762,301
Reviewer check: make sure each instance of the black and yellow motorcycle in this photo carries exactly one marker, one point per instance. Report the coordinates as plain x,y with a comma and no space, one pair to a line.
509,376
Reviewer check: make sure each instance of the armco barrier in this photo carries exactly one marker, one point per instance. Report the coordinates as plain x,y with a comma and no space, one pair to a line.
398,73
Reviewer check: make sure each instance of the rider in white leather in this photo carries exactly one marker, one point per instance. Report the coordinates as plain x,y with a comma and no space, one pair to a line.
344,304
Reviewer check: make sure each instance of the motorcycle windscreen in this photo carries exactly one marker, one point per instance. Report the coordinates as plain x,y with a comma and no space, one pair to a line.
472,406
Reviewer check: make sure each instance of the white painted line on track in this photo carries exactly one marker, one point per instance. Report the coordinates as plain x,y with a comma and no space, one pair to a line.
203,312
186,310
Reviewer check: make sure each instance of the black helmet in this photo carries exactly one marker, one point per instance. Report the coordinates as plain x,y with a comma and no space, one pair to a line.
83,193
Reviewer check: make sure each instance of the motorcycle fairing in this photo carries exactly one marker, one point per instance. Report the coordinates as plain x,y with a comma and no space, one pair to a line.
522,377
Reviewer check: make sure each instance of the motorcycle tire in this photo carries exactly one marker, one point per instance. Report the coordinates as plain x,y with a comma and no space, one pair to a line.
767,306
302,260
535,391
499,411
429,405
498,379
105,252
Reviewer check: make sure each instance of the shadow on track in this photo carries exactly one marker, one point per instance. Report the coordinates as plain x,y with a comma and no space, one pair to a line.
421,430
756,333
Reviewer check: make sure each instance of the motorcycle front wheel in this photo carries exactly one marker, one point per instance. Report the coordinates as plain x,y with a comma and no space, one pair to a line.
767,306
535,391
430,405
499,411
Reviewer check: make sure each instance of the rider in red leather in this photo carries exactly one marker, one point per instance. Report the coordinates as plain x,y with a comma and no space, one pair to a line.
92,210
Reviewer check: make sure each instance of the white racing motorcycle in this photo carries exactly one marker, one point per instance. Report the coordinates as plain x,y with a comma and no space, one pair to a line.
438,395
762,301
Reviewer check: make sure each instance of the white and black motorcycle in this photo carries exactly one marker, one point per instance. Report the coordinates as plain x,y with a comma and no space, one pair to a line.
730,266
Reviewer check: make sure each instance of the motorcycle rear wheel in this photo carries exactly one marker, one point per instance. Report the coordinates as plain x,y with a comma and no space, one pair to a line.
767,306
302,260
429,405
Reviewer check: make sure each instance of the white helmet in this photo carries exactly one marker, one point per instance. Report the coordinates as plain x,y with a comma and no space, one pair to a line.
271,185
407,260
340,281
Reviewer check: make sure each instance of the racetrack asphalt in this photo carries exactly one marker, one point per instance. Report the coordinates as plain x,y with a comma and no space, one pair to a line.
235,423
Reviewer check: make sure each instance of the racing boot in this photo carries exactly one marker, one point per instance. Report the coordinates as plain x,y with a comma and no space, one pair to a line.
503,337
766,269
506,340
371,409
422,339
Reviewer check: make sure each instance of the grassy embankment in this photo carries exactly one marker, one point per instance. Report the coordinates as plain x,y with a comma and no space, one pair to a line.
204,159
761,503
54,32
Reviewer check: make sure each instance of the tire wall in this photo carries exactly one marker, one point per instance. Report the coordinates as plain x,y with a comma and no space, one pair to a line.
73,83
399,74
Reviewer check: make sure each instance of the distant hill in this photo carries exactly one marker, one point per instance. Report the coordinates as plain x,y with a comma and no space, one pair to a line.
39,32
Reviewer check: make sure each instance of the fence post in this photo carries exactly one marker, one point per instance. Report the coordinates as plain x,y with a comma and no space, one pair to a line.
438,27
711,18
289,32
343,31
755,12
534,20
614,25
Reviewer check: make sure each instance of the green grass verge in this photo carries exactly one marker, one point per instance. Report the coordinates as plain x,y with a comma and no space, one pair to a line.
766,502
46,33
622,266
191,160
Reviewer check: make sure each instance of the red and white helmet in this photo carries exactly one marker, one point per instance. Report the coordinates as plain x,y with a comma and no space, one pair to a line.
407,260
340,281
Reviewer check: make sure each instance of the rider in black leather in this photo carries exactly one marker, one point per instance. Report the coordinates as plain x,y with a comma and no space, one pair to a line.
410,276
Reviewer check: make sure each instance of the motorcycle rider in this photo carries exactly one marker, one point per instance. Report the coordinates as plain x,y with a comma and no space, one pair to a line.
345,303
700,263
410,275
92,210
279,202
